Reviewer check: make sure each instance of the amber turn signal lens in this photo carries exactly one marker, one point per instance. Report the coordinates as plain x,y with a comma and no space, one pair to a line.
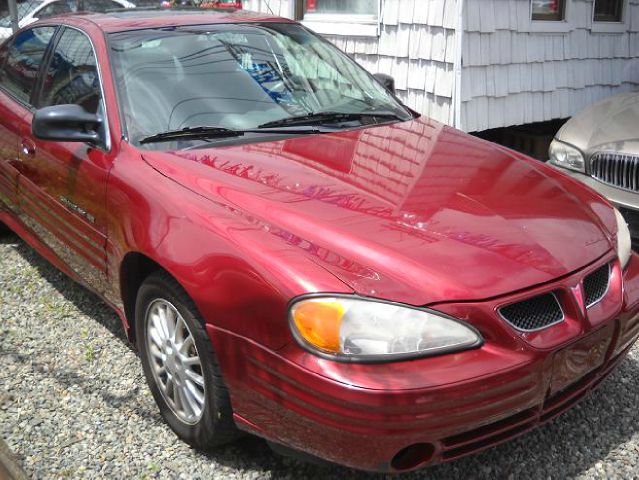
318,321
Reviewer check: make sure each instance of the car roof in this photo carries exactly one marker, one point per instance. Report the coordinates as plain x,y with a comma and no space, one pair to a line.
140,18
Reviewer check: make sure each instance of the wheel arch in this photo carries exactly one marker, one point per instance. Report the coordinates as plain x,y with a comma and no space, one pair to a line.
134,269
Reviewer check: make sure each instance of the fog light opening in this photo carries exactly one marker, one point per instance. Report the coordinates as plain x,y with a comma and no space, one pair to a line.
413,456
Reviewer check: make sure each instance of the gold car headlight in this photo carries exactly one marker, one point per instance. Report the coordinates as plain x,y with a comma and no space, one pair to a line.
566,156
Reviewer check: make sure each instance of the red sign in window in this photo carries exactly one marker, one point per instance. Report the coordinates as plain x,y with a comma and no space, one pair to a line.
311,5
548,9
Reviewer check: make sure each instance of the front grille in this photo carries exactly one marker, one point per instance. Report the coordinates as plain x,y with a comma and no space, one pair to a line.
616,169
534,313
596,285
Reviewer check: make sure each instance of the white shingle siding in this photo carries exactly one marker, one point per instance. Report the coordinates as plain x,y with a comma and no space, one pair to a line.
512,76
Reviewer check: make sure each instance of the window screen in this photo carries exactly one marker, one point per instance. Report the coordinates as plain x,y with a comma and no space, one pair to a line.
100,6
55,8
368,8
548,10
608,10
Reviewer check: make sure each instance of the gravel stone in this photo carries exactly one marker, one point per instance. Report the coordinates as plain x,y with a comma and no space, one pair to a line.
74,404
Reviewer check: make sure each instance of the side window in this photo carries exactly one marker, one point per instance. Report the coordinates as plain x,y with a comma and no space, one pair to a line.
608,11
100,6
55,8
545,10
72,75
23,58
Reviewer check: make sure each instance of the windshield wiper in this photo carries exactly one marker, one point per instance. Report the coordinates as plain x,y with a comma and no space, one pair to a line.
193,132
220,132
330,117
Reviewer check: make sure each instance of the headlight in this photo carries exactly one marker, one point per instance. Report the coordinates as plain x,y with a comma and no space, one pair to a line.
366,330
566,156
624,244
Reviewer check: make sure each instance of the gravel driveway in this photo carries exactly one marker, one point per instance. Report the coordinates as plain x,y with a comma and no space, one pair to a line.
73,404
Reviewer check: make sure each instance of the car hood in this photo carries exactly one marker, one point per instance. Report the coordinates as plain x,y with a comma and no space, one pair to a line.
610,124
414,212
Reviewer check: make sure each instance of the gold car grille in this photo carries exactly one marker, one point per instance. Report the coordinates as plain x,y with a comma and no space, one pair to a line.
616,169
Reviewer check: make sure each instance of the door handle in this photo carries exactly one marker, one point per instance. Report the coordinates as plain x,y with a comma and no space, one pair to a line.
28,148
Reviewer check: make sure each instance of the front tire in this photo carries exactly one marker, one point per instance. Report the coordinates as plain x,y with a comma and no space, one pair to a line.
180,365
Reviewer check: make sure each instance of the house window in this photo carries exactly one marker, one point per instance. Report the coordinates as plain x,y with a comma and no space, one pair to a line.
548,10
365,9
342,17
608,11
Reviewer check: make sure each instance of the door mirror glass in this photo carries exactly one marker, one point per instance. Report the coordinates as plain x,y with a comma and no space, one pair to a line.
67,123
387,81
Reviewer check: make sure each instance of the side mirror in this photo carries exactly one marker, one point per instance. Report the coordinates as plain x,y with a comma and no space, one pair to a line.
66,123
387,81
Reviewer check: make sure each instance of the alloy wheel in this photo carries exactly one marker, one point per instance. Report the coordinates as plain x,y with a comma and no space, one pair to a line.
175,362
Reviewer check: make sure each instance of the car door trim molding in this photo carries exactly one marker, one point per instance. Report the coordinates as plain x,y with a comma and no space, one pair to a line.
32,197
37,215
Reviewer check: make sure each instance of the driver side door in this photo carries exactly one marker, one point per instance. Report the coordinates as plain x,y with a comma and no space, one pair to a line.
62,186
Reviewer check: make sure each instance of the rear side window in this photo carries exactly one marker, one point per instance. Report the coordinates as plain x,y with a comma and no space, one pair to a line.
72,75
23,59
100,6
62,7
55,8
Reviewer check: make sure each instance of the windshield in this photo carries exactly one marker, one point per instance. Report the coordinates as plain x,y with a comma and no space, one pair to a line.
236,76
23,10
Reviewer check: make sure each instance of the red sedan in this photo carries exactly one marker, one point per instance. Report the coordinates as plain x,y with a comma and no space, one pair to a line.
295,253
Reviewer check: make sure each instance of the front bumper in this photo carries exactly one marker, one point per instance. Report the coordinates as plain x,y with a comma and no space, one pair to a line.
365,416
